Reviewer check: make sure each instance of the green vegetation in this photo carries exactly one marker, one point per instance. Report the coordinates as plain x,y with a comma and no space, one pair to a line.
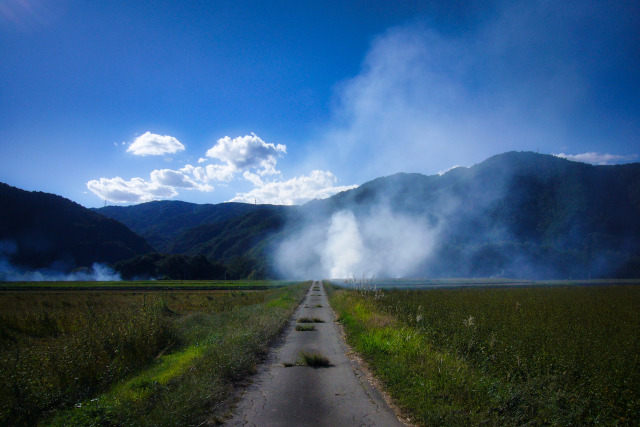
131,358
305,328
181,267
510,356
313,359
310,320
232,237
39,229
148,285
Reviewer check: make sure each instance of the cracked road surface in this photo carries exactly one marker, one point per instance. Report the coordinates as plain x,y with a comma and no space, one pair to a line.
339,395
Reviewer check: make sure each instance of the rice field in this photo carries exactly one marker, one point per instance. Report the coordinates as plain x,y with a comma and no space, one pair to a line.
563,355
119,357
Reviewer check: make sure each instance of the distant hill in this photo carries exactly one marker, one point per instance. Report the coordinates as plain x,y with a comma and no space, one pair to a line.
39,230
160,222
523,215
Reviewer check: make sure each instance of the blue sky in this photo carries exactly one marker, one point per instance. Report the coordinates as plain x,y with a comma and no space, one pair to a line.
284,101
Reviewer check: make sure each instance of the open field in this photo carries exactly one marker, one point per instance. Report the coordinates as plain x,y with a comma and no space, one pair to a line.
132,358
567,355
146,285
376,283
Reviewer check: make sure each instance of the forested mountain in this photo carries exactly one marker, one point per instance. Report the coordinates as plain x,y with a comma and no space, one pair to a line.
520,215
40,230
160,222
233,236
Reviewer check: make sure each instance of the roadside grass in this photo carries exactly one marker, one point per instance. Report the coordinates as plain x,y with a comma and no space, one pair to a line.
128,358
305,328
310,320
562,355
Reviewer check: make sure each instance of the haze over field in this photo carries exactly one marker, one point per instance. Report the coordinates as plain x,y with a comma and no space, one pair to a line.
268,103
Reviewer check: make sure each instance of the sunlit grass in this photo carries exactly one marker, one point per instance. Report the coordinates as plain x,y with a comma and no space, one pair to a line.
123,357
564,355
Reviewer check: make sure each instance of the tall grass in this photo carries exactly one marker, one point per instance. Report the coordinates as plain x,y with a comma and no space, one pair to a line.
565,355
123,357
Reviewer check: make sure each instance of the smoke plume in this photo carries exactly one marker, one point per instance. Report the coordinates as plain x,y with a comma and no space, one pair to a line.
378,242
55,273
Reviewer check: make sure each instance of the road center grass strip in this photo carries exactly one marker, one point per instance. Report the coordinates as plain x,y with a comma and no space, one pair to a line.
564,356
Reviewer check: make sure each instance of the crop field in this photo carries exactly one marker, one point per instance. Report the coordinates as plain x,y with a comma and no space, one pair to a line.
147,285
123,357
567,355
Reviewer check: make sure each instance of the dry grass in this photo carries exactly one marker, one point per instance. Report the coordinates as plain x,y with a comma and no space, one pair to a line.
312,359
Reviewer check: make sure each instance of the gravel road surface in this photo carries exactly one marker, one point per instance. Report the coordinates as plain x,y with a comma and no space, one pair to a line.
339,395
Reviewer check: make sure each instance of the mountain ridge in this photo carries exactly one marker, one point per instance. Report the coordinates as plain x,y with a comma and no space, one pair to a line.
41,230
516,214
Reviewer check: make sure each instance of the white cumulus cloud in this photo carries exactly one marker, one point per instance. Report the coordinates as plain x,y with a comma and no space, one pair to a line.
171,178
317,185
253,178
222,173
163,184
598,158
247,152
136,190
150,144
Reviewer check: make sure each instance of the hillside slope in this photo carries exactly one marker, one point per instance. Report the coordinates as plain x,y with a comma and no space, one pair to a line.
160,222
44,230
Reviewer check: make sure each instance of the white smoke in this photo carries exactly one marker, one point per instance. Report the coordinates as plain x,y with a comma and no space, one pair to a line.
12,273
97,273
380,242
343,248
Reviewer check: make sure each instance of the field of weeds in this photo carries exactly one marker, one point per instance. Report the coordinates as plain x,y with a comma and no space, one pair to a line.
147,285
508,356
131,358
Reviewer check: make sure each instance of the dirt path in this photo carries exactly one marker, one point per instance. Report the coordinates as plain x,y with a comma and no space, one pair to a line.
339,395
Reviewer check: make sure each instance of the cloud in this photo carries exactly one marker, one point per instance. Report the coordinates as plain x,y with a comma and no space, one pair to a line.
599,158
442,172
150,144
224,173
171,178
136,190
253,178
247,152
249,155
162,185
317,185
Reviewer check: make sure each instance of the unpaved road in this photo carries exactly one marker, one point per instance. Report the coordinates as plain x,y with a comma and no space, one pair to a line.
339,395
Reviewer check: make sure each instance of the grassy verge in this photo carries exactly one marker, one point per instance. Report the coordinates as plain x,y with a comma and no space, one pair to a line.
79,358
565,356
